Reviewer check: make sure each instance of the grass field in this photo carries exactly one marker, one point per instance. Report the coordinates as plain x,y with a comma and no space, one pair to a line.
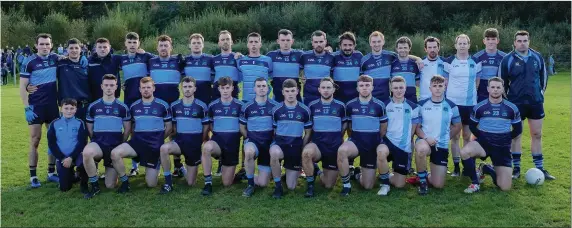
546,205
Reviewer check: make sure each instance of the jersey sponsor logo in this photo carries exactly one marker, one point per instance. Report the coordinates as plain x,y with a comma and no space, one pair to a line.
156,65
99,110
138,111
218,111
486,112
504,114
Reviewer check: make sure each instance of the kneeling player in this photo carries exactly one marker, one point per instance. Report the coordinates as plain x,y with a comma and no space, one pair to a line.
109,125
368,124
403,117
152,119
66,138
439,120
491,124
225,142
292,125
256,128
329,120
190,127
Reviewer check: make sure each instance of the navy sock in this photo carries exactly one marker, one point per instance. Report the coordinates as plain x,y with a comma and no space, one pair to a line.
346,181
208,179
469,167
124,178
538,160
168,178
516,160
422,176
456,161
384,178
310,180
317,169
32,171
250,178
177,162
51,168
278,182
93,179
487,169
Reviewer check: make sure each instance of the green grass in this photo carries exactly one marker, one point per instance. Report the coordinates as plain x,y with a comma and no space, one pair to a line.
546,205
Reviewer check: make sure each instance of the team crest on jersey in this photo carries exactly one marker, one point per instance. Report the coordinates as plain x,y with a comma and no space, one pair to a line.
472,65
194,112
517,64
231,61
224,61
234,111
74,129
334,112
356,62
410,68
204,63
293,58
116,111
172,65
445,109
535,64
372,111
154,111
298,116
386,62
407,111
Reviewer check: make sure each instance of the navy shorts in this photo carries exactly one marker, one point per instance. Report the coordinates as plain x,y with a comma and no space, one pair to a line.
401,159
292,156
146,156
482,93
262,155
46,113
229,148
411,94
204,91
500,155
81,110
439,156
106,151
533,112
367,151
329,155
465,113
191,149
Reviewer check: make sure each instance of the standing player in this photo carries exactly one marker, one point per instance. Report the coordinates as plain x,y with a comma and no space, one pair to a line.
165,70
257,131
224,65
433,64
317,64
190,127
200,66
490,59
403,118
439,119
406,67
463,74
152,119
73,79
285,63
225,142
329,125
377,65
368,124
347,68
102,62
109,125
253,66
292,125
524,73
41,107
492,120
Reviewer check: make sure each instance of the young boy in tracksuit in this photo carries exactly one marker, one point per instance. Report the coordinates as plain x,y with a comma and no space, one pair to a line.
67,136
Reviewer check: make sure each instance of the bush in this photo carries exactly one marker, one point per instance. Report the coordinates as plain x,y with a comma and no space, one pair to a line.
62,29
17,29
112,28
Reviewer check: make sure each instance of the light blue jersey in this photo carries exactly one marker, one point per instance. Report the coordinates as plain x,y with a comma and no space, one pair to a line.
401,116
436,119
462,76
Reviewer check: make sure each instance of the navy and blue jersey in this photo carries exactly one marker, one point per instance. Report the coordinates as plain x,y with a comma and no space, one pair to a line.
379,68
347,70
525,77
189,119
201,69
67,137
494,121
285,65
315,67
253,68
73,81
490,68
290,122
149,119
167,74
98,67
400,118
436,119
225,66
366,119
327,119
225,118
107,120
409,70
134,68
257,117
41,71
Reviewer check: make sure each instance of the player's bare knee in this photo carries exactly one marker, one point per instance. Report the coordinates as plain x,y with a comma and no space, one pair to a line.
307,154
116,155
165,149
505,187
274,154
438,184
328,185
399,184
249,153
536,134
226,183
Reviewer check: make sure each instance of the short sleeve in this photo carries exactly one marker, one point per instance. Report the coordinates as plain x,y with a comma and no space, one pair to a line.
127,115
415,115
456,118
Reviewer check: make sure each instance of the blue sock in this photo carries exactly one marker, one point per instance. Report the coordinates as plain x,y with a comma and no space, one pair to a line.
250,178
516,159
208,179
422,176
346,181
469,167
310,180
93,179
134,164
168,178
538,160
277,182
487,169
384,178
124,178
